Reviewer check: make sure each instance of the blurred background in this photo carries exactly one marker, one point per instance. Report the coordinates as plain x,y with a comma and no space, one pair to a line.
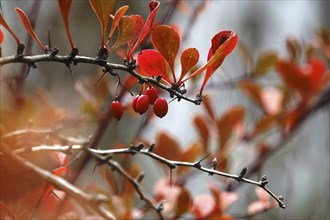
299,171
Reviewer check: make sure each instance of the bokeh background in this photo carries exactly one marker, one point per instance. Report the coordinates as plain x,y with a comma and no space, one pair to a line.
300,171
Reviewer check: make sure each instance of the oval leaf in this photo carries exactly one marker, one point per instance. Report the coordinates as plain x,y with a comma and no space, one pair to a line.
167,41
202,129
167,147
153,64
28,27
65,6
119,14
183,203
103,9
223,44
253,90
153,7
228,121
5,25
265,62
189,59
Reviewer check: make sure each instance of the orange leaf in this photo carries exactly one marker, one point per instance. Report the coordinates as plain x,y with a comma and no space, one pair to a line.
202,129
27,25
129,27
266,61
263,125
119,14
5,25
228,121
183,202
167,147
103,9
167,41
65,6
192,153
153,7
208,107
253,90
189,59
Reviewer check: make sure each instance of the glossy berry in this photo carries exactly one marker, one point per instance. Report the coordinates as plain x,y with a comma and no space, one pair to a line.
160,107
142,104
152,94
117,109
134,102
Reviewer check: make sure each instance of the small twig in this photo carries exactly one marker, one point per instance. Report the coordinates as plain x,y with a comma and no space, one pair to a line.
95,202
134,182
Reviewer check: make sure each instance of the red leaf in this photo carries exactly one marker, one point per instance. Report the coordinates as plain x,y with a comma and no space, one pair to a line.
2,37
307,79
153,64
65,6
167,41
119,14
103,9
153,6
138,26
189,59
223,44
27,25
5,25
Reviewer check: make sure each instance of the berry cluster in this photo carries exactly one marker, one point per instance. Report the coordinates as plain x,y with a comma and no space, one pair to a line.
141,104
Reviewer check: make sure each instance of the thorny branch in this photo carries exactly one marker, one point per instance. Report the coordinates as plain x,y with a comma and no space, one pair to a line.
172,164
95,202
108,66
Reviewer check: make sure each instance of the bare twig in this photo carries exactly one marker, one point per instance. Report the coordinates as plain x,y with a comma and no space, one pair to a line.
134,182
94,202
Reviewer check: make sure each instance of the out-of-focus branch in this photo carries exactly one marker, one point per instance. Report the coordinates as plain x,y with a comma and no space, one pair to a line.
134,182
105,155
94,202
322,101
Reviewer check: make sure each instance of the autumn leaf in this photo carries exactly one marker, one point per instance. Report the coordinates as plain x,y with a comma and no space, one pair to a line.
103,9
202,129
183,203
119,14
189,59
28,27
65,6
167,41
5,25
152,63
228,121
167,147
129,28
2,37
223,44
266,61
153,7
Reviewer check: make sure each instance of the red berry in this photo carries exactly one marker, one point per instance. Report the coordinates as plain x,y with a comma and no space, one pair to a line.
117,109
160,107
134,103
152,94
142,104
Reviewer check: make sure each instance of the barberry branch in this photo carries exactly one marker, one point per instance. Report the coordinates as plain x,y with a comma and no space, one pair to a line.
108,67
95,202
104,155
